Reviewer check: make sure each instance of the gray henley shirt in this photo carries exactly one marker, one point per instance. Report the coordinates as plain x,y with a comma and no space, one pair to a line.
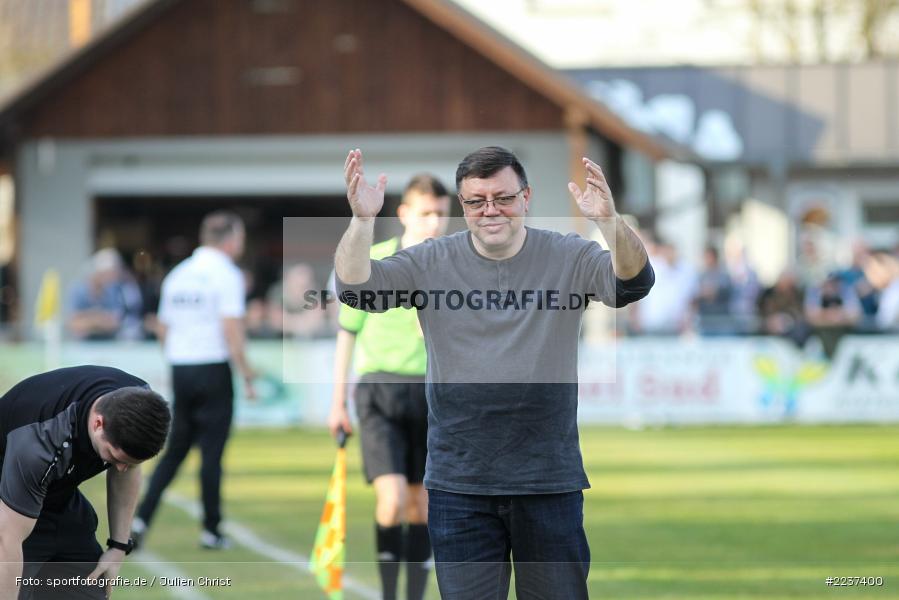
502,341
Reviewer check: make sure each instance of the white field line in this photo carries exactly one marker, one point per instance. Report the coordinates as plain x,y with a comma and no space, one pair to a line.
246,537
156,566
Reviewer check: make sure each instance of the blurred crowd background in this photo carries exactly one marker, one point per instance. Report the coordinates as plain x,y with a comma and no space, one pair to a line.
754,143
720,296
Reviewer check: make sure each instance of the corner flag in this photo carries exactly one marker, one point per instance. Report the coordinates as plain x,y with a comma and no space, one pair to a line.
47,317
329,552
48,299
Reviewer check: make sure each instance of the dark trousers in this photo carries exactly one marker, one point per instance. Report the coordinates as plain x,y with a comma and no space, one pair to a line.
476,537
62,545
203,408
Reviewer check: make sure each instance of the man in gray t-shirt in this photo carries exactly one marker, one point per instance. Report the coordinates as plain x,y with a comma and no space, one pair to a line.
500,306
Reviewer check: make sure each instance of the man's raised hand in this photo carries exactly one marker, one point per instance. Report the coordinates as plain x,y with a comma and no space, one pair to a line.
366,200
596,200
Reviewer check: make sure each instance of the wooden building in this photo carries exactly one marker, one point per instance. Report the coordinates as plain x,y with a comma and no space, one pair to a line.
190,105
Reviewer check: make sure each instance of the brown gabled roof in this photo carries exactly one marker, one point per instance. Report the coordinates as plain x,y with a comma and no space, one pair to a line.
577,106
75,62
569,96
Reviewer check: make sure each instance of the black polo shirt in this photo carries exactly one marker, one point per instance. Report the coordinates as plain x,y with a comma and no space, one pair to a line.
45,451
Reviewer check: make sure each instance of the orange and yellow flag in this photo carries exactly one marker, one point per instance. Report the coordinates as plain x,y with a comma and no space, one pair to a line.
329,553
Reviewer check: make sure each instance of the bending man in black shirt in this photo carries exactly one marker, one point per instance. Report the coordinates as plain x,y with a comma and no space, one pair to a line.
57,430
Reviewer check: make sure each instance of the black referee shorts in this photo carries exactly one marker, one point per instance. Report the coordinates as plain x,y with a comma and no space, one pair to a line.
60,553
393,425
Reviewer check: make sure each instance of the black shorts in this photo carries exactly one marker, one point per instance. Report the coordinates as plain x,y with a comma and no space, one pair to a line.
393,425
62,546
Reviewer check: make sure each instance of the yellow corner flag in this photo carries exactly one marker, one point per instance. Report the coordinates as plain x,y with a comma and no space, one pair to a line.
329,553
48,299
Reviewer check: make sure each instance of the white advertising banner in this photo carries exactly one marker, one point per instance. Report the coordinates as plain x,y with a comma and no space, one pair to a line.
862,384
634,382
675,381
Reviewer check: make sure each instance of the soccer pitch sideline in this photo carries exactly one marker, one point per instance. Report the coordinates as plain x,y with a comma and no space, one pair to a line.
768,512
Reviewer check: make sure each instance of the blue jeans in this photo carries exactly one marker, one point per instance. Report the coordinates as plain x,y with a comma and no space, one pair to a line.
474,536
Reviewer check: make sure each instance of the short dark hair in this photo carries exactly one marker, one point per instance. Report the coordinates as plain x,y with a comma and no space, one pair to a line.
136,420
218,227
425,183
488,161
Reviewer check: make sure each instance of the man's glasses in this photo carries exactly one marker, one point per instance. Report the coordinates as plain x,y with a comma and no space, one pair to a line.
477,204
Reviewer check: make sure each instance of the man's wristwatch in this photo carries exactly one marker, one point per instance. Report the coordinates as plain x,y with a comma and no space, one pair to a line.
126,548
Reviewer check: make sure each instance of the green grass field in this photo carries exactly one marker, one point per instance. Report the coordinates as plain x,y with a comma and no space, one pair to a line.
673,513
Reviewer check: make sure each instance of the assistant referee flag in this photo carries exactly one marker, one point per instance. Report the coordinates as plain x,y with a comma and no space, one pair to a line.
329,552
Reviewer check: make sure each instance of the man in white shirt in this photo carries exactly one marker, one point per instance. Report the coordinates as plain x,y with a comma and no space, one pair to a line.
202,330
888,311
666,310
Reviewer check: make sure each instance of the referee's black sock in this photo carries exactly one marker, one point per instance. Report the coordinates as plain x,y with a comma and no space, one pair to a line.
419,563
389,541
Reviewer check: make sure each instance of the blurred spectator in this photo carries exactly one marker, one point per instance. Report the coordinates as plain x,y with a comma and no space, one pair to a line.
888,312
666,310
7,295
603,323
257,311
832,310
817,247
887,267
745,289
148,275
107,305
780,309
832,303
713,297
289,311
855,279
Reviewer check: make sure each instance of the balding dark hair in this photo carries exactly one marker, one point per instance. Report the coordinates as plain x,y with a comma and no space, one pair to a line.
218,227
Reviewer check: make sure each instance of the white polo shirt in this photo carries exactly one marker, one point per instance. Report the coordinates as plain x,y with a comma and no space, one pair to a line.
197,294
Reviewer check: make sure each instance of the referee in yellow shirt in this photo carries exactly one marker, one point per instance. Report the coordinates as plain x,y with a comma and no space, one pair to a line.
390,401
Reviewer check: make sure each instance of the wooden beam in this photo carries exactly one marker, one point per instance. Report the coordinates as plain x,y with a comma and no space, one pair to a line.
576,123
79,22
